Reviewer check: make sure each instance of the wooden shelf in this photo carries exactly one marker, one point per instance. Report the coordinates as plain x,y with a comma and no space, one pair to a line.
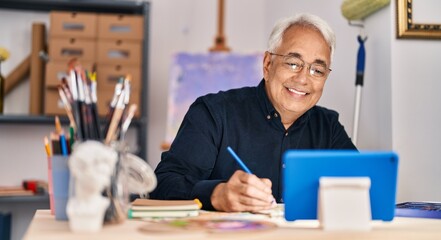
24,199
104,6
28,119
99,6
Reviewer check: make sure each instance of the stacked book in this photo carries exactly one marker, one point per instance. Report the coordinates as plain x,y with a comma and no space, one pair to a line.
149,208
418,209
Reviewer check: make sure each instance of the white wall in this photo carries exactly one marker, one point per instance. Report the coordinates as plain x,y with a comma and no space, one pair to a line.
400,82
248,24
339,94
416,115
190,26
21,146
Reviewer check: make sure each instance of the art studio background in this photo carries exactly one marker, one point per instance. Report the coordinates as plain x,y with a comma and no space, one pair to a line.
400,101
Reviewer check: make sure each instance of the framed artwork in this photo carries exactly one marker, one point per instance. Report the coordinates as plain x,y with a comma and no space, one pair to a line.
418,19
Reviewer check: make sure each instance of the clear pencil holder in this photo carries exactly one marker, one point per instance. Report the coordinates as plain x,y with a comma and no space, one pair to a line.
132,176
118,192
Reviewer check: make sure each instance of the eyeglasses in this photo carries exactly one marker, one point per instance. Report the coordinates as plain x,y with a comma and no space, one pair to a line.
295,64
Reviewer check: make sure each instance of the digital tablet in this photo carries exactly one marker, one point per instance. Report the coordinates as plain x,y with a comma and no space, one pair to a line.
303,168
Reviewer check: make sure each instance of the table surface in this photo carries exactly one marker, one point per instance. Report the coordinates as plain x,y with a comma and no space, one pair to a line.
44,226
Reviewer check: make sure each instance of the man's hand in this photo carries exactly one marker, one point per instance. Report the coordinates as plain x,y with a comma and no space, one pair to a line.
243,192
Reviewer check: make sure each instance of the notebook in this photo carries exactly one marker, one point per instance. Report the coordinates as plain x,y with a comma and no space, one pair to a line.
165,205
150,208
303,168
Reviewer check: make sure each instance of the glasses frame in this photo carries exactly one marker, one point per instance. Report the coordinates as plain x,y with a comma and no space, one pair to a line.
308,65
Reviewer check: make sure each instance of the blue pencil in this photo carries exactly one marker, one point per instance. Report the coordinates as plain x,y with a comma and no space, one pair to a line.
242,165
63,144
59,131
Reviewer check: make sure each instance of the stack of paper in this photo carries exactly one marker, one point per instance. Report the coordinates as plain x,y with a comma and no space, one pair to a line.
148,208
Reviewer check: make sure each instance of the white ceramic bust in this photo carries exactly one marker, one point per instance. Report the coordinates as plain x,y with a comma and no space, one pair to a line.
91,166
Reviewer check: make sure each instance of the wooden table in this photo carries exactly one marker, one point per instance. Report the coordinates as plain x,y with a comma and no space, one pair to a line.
44,226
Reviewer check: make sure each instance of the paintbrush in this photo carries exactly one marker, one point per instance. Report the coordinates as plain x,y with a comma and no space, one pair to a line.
81,101
116,117
94,97
127,120
75,104
116,94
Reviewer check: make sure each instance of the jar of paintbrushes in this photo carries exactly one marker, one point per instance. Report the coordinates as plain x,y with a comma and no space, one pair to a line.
104,172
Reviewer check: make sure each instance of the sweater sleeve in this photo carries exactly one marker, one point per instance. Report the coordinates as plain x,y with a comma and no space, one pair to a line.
185,168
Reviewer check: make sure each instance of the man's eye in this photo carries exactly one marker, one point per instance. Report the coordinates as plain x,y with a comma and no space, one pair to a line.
294,66
317,72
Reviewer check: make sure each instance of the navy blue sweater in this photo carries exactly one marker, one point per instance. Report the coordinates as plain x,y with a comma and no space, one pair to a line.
246,120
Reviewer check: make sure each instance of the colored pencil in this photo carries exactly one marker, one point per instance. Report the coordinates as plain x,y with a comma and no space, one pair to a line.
60,132
238,160
47,147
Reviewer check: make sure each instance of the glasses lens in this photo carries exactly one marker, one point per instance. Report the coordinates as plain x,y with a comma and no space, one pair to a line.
318,70
295,64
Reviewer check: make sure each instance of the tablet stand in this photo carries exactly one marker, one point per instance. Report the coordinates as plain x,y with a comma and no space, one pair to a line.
344,203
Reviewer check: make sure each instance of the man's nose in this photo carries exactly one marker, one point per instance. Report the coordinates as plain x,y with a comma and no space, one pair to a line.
303,75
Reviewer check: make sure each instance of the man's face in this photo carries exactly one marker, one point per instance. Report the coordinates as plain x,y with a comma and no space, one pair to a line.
291,93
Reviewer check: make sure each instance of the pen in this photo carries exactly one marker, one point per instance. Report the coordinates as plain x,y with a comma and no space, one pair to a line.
242,165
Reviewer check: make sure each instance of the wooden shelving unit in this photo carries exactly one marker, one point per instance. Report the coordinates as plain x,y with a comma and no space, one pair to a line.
98,6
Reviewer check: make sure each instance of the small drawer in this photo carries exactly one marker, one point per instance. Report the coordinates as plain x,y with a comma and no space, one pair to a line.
69,48
73,24
119,52
119,26
56,69
108,76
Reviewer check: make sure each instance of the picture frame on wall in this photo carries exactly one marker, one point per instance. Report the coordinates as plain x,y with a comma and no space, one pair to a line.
418,19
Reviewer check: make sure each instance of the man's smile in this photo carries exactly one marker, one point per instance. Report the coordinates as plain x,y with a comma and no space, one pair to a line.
297,91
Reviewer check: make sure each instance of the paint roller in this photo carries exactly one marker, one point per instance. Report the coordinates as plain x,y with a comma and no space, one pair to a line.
358,10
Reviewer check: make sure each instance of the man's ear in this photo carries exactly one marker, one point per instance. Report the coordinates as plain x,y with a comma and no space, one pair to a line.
266,64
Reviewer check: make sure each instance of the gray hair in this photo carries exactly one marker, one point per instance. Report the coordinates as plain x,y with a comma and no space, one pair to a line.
304,19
